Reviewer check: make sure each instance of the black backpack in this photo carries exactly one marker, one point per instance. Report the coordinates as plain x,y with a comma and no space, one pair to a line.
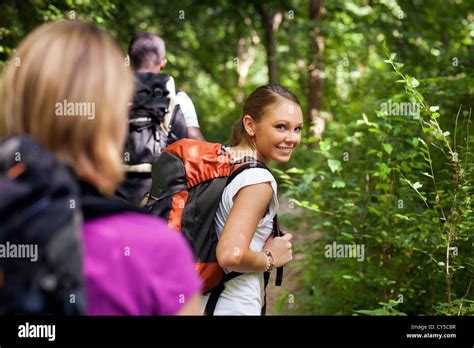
188,181
40,232
155,121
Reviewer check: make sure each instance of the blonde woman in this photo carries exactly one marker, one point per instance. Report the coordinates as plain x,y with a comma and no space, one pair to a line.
67,88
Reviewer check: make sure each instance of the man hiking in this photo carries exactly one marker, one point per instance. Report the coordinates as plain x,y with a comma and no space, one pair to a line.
158,115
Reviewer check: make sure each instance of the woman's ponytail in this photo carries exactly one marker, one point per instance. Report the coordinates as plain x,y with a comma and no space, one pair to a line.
237,135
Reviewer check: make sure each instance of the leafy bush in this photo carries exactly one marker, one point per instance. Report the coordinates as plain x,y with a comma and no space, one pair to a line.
399,185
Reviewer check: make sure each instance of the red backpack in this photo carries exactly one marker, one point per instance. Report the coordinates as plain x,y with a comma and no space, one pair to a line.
188,180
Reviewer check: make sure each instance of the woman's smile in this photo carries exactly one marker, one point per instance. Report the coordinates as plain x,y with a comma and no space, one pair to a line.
285,149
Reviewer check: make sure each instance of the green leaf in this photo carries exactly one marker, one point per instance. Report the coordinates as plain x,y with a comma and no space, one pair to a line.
417,185
403,217
371,151
364,117
422,141
434,108
388,148
295,171
338,184
349,236
334,165
412,82
374,130
379,311
325,146
392,303
384,168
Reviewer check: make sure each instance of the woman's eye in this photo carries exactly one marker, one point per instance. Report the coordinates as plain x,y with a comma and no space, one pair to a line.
298,129
280,127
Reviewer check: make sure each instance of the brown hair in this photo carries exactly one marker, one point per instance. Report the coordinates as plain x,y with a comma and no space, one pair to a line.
256,106
146,50
73,62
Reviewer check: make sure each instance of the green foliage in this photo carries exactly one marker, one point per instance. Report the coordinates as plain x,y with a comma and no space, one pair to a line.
407,198
386,309
393,170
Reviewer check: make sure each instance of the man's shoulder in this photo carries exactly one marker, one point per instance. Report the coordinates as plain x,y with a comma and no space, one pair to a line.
182,97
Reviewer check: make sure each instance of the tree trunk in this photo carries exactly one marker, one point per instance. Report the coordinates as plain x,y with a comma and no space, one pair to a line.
246,53
271,22
315,69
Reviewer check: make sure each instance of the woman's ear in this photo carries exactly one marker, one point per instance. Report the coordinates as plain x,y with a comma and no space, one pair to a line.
249,125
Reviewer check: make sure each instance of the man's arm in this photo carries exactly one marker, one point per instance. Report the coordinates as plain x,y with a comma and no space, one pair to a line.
195,133
190,116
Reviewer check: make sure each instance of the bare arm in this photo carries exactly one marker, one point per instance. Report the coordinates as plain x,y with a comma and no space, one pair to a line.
233,252
192,307
195,133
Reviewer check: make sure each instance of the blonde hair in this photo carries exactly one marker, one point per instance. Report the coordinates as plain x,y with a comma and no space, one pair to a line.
71,62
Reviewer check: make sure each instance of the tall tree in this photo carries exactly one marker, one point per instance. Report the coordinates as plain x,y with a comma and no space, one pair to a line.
271,21
315,68
246,54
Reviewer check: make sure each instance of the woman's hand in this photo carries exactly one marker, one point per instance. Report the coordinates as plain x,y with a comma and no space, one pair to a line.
280,247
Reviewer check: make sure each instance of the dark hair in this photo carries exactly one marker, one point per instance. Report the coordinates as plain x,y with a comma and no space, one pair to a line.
146,50
257,105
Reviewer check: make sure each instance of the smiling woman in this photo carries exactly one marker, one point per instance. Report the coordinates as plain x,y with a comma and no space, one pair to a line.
269,130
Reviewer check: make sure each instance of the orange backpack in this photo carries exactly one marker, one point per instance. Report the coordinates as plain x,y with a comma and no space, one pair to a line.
188,180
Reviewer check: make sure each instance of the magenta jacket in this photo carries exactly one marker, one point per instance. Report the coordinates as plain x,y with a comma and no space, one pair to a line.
135,265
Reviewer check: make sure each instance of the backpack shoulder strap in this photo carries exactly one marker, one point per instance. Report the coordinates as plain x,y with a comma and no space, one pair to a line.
244,164
217,291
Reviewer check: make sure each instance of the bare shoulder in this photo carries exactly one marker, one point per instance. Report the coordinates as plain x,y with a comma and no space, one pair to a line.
256,194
